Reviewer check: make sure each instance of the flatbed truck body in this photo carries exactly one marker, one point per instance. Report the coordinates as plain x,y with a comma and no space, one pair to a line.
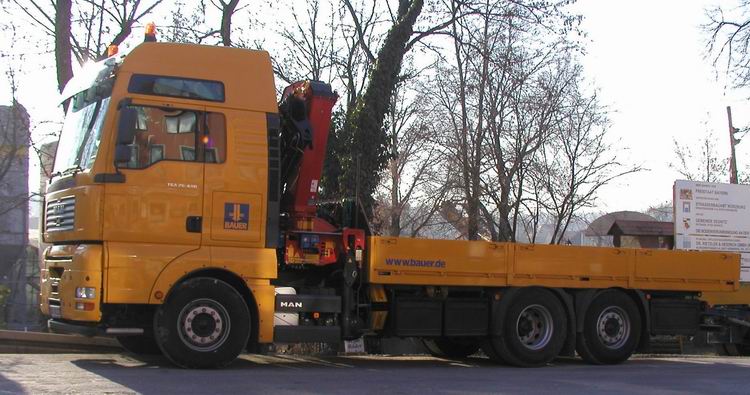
185,198
481,263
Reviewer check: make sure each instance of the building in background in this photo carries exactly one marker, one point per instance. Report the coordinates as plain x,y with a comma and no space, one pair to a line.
597,234
18,267
642,234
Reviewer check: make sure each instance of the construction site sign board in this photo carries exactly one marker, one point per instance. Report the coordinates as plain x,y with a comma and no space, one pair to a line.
713,217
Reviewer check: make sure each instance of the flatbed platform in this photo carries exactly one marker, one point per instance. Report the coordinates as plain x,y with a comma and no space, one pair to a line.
479,263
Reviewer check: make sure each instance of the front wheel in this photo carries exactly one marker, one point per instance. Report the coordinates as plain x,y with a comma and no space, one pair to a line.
204,323
611,329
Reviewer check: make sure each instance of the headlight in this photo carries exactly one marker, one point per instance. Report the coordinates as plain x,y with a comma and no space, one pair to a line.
85,293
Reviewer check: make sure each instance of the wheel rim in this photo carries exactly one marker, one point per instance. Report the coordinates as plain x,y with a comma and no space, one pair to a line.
613,327
203,325
534,327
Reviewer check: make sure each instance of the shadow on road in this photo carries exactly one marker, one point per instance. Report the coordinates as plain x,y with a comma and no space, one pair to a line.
8,386
420,374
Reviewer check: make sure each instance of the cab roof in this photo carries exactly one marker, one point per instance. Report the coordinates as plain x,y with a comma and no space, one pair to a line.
247,75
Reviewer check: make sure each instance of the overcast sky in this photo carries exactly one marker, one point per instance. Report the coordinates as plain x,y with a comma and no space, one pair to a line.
647,59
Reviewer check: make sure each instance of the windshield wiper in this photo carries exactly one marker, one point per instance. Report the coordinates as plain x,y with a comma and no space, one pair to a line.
73,170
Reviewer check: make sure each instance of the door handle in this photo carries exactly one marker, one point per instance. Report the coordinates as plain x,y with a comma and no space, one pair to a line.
194,224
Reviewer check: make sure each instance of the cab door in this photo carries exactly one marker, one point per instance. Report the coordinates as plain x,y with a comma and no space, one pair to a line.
155,214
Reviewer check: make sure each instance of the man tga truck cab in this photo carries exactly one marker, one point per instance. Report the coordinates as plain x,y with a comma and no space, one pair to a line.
162,176
183,194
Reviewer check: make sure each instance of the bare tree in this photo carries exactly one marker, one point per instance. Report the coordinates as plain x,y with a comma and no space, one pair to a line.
354,59
528,145
62,43
227,8
189,23
577,161
525,97
368,60
496,111
100,24
728,31
662,211
701,163
351,66
416,183
366,120
309,49
122,15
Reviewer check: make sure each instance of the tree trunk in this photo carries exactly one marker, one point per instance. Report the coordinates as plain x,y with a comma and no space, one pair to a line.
226,22
395,228
369,138
63,54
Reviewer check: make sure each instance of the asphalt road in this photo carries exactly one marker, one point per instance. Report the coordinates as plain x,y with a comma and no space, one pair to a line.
120,373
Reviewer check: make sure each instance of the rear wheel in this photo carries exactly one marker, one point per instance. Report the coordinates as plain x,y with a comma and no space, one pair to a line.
446,347
611,329
733,350
533,329
140,344
204,323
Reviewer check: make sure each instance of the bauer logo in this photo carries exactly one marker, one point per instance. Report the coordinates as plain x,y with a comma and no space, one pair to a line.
236,216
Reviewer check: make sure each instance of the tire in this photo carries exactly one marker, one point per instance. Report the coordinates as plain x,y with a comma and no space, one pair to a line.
140,344
204,323
726,350
446,347
733,350
533,329
611,329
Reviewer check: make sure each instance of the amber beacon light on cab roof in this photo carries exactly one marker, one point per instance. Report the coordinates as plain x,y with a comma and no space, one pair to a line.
183,217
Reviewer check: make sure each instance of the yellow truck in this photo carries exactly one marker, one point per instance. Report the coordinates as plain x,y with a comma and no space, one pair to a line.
183,218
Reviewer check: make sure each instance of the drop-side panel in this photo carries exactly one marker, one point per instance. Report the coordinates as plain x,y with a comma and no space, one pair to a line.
686,270
479,263
437,262
571,266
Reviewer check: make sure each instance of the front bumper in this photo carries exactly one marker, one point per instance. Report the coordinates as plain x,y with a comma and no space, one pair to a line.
67,267
67,328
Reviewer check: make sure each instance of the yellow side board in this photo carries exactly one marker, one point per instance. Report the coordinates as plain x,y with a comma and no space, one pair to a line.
481,263
742,296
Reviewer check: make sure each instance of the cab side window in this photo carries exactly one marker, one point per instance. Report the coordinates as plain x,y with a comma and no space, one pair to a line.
176,135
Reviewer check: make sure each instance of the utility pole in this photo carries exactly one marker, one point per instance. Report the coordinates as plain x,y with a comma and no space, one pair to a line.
732,142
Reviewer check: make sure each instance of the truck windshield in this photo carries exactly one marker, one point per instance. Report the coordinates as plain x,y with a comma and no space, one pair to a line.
81,133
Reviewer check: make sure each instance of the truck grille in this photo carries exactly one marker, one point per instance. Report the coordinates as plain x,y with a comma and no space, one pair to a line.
60,214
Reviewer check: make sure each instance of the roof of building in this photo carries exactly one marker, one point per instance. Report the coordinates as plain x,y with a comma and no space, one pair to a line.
602,225
641,228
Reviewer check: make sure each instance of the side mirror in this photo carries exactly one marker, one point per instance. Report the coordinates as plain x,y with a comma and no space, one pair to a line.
122,154
125,134
126,125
